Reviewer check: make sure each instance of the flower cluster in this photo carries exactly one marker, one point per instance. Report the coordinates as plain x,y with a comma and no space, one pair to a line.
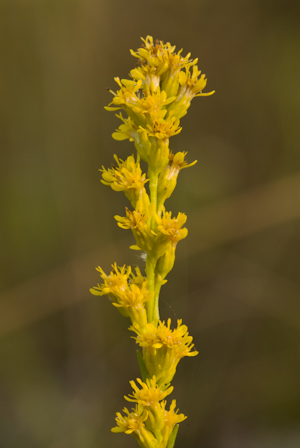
154,99
163,348
149,422
127,176
157,97
128,292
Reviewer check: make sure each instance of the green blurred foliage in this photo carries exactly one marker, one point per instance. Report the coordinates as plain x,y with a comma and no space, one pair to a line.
65,356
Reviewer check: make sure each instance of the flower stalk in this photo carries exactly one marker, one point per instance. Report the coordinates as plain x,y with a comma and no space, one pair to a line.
156,97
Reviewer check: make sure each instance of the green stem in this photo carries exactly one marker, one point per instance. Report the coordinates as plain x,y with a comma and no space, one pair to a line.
150,271
152,304
160,208
155,303
153,181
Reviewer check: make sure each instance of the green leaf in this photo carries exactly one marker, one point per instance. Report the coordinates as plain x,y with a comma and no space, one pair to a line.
173,437
143,367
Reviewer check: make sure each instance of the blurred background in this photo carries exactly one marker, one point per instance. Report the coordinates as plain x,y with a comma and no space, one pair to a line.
66,357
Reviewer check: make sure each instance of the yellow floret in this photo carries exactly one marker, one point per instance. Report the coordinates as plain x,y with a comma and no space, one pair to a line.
163,348
128,292
127,176
150,396
172,227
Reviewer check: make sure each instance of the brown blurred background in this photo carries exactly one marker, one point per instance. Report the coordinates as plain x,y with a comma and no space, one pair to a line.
66,356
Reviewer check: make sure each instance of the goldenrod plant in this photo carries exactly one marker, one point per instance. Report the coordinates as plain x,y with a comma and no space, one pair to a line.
156,97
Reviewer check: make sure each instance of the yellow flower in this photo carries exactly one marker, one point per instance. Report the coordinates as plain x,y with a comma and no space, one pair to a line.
127,99
152,150
147,337
163,129
153,105
190,86
156,244
134,220
171,419
126,130
138,279
134,421
137,222
127,291
126,96
150,393
168,177
159,64
137,423
192,83
117,280
128,177
171,227
149,397
159,95
177,339
163,348
151,140
177,163
144,236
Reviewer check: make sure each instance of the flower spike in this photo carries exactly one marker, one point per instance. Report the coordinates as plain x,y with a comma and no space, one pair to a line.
150,107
